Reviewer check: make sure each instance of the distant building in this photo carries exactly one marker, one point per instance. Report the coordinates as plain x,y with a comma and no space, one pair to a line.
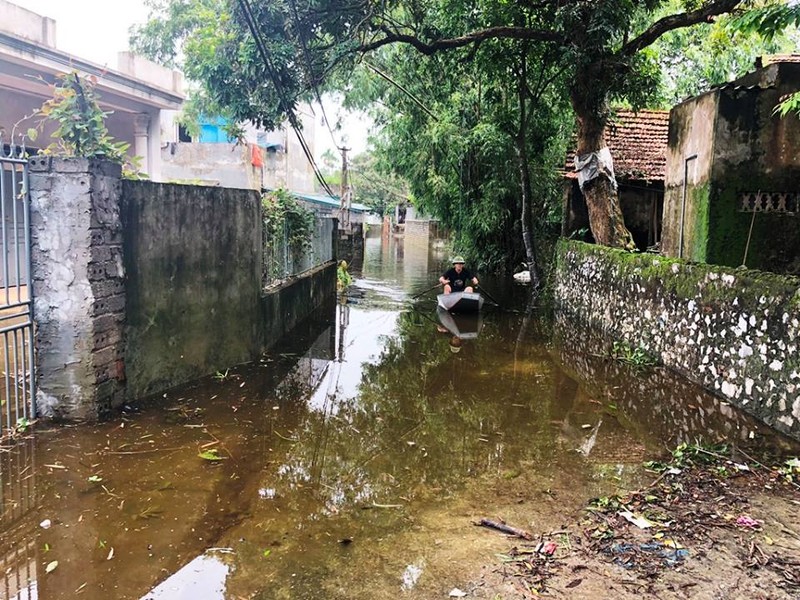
326,206
265,160
137,94
638,145
733,173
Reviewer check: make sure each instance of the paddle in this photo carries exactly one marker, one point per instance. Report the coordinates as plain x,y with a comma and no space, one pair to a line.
488,295
415,296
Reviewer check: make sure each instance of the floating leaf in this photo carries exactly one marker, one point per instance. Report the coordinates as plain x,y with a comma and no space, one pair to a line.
95,478
267,553
51,566
211,455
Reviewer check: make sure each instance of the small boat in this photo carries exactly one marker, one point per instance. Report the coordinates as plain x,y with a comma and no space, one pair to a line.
464,326
461,302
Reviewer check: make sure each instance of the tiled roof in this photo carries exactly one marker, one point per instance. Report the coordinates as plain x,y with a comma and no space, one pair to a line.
768,59
638,144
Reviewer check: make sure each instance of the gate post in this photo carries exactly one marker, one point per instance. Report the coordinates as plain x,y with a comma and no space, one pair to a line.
79,286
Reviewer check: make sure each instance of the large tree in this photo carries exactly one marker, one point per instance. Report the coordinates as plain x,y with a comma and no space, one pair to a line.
294,47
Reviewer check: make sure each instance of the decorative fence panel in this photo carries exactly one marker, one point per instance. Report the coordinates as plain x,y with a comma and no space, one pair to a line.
283,260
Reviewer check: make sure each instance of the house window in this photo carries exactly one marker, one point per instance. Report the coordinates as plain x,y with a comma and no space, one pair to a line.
772,202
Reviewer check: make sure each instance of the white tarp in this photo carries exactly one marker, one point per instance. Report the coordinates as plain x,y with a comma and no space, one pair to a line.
592,164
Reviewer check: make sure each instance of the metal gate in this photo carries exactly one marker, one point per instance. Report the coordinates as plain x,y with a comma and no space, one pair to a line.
17,384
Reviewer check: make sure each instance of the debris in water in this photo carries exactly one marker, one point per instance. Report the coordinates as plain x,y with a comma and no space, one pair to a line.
501,526
747,521
457,593
211,455
640,522
411,576
46,524
549,548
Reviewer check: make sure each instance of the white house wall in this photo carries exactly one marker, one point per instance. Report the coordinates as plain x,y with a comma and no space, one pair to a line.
30,63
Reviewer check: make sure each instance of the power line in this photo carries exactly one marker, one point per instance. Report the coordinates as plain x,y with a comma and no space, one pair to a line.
251,24
310,70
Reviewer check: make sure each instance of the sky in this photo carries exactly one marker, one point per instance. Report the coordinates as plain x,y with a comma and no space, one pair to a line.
96,30
91,29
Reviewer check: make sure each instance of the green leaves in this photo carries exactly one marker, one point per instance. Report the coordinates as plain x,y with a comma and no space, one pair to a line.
211,455
287,222
81,130
768,21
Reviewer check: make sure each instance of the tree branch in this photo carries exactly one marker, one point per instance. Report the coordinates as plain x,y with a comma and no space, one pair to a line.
706,13
515,33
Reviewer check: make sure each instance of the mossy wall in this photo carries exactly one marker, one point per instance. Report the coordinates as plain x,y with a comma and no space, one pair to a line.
750,150
193,257
733,331
759,154
686,192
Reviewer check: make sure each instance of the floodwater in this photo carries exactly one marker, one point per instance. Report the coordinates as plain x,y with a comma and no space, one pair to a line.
351,462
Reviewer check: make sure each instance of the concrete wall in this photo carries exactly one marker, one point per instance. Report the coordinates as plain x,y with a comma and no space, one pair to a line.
225,165
193,285
689,157
739,147
423,231
140,286
78,286
27,24
291,302
733,331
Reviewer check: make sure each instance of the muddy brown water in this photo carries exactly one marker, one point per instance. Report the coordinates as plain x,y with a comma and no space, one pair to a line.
350,462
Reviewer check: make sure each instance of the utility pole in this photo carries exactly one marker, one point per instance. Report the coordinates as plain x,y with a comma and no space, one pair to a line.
344,194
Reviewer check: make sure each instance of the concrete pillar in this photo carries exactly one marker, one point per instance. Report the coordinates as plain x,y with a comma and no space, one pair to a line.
78,286
141,140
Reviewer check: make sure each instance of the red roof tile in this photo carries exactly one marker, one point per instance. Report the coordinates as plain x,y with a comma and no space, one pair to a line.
768,59
638,144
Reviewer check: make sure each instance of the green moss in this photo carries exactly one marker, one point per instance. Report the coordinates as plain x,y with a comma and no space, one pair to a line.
699,243
690,280
775,237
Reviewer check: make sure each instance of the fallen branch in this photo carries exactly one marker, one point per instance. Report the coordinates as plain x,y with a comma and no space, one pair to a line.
149,451
763,466
501,526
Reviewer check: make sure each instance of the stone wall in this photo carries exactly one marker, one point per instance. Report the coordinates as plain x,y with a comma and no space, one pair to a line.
733,331
78,286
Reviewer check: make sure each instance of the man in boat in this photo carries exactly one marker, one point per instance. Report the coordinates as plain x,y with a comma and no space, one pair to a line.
458,278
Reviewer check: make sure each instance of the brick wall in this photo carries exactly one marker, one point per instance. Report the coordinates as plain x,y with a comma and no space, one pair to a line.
78,286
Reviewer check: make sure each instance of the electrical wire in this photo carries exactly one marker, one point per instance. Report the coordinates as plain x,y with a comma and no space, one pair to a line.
247,11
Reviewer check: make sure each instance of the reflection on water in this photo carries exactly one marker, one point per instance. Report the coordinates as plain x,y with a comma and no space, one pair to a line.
201,579
348,463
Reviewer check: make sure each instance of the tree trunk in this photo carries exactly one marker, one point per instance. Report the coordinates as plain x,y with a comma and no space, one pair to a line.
527,236
602,200
525,180
605,214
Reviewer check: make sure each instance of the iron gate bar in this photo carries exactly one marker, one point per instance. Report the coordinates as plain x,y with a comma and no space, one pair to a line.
16,314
